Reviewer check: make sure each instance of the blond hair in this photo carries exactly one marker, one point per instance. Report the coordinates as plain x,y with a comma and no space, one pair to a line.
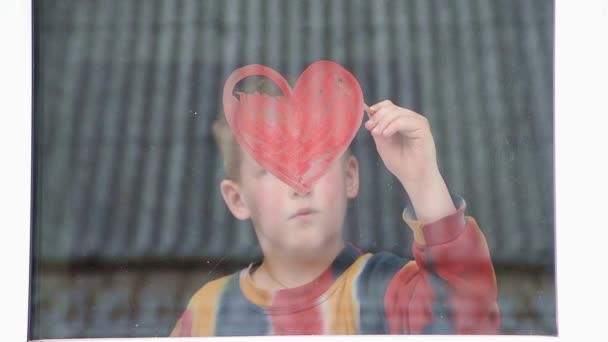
224,137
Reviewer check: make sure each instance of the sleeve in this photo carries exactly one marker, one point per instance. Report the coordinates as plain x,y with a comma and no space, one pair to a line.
200,315
183,326
450,287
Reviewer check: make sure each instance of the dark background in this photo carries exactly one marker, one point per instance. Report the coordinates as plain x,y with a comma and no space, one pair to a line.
128,219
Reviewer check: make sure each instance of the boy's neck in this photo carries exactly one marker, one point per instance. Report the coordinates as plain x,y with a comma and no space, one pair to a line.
280,272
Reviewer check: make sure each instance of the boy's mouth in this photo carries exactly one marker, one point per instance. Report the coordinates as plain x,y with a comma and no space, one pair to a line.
303,212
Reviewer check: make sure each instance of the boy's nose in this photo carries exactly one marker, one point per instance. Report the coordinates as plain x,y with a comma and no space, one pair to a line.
296,193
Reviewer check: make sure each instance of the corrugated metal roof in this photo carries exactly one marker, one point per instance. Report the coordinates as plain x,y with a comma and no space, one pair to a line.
128,89
128,171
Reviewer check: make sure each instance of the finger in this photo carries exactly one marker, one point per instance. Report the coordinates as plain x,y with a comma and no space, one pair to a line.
368,110
387,107
382,104
373,120
379,113
412,113
378,117
407,125
385,120
388,104
404,112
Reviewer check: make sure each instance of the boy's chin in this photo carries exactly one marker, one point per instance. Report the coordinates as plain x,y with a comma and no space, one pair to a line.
312,249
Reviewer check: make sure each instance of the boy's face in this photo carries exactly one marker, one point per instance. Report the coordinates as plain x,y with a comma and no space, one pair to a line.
288,223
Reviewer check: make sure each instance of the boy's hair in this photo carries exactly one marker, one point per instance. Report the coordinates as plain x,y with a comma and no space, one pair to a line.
224,138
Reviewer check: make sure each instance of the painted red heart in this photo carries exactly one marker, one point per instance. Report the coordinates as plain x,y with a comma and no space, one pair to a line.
297,136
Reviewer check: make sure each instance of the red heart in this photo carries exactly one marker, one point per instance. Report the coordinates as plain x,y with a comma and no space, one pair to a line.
297,136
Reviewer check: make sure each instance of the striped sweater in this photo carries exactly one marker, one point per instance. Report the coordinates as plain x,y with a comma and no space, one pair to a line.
449,288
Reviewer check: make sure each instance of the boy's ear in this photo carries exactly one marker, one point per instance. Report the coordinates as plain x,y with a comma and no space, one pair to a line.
231,193
352,177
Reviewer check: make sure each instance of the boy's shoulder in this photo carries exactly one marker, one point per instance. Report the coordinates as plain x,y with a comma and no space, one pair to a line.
212,289
382,264
367,267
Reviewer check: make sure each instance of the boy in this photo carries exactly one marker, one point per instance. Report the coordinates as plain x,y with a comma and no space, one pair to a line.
311,282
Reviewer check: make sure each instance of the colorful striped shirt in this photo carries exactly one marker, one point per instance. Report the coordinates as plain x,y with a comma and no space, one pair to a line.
449,288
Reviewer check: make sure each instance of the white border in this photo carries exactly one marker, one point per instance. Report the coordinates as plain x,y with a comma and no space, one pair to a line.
15,89
580,162
581,172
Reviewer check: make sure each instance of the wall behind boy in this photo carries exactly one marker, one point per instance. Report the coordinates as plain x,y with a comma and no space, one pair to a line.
128,219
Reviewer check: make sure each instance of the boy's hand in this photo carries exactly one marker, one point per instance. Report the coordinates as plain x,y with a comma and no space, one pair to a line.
404,141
